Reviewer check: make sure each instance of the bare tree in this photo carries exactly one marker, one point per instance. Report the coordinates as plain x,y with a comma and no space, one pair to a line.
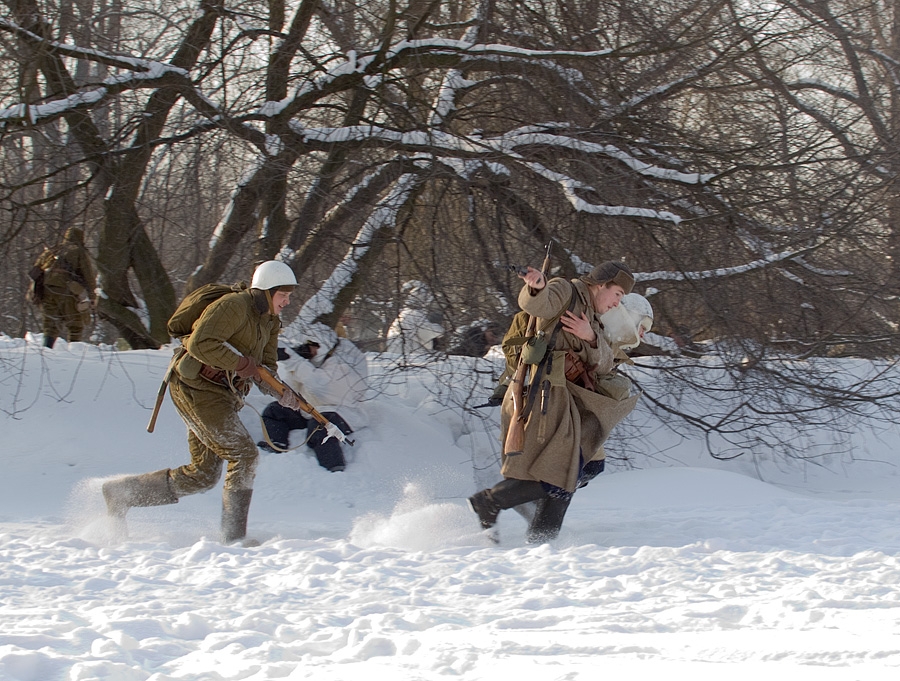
741,158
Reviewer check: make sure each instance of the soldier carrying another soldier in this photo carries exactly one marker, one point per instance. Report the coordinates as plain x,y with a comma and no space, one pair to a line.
581,399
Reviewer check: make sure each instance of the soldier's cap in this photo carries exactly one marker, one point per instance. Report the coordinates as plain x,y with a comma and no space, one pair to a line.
74,235
610,272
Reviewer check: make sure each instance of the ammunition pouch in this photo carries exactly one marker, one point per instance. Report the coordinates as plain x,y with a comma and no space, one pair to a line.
534,349
213,375
189,367
578,372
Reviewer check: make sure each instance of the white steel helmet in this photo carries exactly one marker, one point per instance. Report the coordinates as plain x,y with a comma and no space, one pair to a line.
272,274
622,324
639,308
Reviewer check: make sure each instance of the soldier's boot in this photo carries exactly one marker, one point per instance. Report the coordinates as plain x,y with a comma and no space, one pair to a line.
484,506
49,341
235,509
507,493
547,520
147,489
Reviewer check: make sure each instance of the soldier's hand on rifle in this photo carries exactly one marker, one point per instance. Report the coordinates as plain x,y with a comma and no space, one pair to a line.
579,326
248,368
534,278
290,399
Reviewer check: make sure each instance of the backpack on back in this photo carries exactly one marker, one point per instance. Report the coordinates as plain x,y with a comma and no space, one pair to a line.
182,321
37,275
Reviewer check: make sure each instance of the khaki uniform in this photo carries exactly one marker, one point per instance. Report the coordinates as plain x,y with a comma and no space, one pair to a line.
578,421
68,288
216,435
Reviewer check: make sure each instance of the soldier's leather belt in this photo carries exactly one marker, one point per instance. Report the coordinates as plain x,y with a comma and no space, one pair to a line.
220,377
214,375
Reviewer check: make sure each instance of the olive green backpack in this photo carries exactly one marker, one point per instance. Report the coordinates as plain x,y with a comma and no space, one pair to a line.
182,321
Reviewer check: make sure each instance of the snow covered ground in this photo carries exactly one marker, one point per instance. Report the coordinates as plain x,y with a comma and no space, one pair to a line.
687,567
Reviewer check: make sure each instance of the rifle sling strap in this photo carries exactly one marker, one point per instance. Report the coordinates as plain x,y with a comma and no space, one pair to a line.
539,370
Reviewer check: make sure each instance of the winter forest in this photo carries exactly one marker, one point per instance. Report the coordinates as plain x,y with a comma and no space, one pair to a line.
743,158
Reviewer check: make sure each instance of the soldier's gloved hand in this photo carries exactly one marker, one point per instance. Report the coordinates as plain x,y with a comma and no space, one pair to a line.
290,400
332,430
248,368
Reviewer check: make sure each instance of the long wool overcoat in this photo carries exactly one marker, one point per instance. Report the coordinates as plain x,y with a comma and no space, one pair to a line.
577,421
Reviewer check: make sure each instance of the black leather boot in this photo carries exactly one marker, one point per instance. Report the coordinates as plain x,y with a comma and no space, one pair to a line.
505,494
547,521
485,508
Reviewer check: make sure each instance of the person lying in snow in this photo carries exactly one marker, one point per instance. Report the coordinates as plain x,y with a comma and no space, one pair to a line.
330,372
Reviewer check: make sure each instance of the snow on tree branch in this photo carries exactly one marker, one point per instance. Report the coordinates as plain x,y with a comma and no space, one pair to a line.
22,114
383,217
153,68
722,272
508,143
361,69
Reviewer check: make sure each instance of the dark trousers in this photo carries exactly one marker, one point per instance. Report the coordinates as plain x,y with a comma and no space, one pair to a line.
280,421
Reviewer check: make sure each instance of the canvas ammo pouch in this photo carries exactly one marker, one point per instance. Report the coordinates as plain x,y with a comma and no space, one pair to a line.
578,372
189,367
535,348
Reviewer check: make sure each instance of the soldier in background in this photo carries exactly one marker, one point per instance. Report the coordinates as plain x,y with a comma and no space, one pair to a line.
418,325
63,288
477,339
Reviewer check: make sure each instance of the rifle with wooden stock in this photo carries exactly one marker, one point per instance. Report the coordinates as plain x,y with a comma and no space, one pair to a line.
515,435
331,430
